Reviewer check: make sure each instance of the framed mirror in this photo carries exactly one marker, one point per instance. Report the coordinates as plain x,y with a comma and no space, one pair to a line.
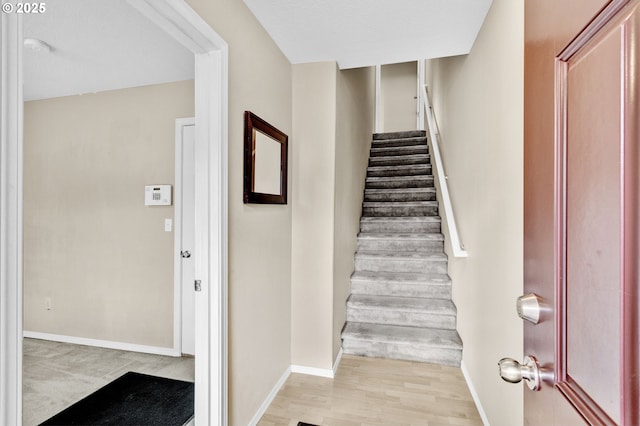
265,162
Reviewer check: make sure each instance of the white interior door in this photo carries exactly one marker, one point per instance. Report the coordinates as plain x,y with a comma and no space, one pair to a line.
398,101
186,233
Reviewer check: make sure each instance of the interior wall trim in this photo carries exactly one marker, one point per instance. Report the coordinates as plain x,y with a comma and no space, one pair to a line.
336,364
131,347
312,371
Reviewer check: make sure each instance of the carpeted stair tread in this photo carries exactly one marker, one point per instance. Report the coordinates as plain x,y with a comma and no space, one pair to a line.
399,208
401,284
406,304
400,135
399,194
398,310
398,190
416,261
423,242
402,170
400,150
399,203
401,143
434,337
416,181
408,219
403,277
380,254
400,224
425,236
400,160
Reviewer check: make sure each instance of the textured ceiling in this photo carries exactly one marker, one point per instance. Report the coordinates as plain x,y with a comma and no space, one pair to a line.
358,33
98,45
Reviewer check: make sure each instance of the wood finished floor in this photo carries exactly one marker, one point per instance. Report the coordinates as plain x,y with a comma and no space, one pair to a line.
372,392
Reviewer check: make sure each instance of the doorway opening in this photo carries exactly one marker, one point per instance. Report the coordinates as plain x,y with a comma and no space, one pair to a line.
210,246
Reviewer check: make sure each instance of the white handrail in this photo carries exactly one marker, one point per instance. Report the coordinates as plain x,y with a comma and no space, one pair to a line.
456,244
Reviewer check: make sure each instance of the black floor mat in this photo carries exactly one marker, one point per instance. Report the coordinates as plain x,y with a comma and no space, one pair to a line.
132,399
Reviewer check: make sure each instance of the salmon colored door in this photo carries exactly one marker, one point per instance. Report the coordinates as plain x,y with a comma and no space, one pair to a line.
582,161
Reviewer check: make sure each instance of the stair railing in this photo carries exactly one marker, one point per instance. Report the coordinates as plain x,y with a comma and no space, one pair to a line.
434,135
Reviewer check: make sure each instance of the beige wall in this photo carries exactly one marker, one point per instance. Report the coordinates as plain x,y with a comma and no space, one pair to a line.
259,235
333,135
355,124
90,244
478,101
398,90
314,128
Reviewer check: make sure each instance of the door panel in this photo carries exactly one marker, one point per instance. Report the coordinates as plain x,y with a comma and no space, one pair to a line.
581,209
593,202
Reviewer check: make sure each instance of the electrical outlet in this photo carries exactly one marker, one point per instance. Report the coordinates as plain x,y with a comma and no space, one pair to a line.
47,304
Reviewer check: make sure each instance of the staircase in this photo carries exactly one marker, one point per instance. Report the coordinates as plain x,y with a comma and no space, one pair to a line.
400,304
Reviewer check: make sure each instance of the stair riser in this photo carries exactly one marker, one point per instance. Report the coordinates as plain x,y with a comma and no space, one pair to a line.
392,143
407,134
399,171
399,228
368,244
410,352
399,161
398,151
400,265
404,183
400,211
393,317
378,288
400,196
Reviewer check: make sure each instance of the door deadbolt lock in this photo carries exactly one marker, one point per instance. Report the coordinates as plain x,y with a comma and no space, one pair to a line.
529,307
185,254
513,372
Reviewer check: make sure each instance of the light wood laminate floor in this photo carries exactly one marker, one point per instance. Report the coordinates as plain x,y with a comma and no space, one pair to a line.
56,375
370,391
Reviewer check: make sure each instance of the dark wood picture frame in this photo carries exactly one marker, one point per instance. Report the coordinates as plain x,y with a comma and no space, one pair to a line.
254,126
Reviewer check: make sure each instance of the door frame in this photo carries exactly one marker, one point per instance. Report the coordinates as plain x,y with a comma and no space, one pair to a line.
181,123
178,20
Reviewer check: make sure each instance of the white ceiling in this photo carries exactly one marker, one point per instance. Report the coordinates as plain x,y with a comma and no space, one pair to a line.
102,45
358,33
98,45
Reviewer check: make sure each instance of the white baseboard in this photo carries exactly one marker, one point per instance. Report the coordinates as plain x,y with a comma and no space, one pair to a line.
312,371
320,372
267,402
336,364
155,350
474,394
294,369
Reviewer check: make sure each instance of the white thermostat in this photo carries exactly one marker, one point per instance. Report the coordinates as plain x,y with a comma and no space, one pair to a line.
157,195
